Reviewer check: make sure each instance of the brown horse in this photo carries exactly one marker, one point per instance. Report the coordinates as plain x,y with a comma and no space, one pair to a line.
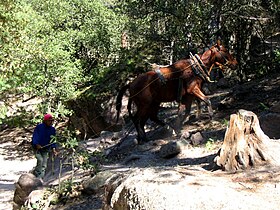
179,82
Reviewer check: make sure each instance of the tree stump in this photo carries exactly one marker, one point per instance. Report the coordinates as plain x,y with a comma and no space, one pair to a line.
245,144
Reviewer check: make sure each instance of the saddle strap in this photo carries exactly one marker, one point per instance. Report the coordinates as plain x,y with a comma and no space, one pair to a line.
201,64
160,75
197,69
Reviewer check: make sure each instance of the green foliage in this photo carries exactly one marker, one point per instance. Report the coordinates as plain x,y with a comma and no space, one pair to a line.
277,56
77,157
66,187
50,48
83,159
67,140
225,122
210,144
69,143
172,29
263,106
3,112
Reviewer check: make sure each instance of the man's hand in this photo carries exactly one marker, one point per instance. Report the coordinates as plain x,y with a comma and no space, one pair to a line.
55,152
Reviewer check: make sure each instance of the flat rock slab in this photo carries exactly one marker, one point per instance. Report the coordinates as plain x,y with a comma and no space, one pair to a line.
183,188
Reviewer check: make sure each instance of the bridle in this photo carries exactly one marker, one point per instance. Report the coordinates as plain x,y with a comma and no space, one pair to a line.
220,65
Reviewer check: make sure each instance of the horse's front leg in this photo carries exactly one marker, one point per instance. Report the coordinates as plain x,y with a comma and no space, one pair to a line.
198,93
182,115
187,100
210,109
184,109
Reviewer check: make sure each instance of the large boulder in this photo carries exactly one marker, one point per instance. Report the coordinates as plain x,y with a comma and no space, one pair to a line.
183,188
24,186
96,183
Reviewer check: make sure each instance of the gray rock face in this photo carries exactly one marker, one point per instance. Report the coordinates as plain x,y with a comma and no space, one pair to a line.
170,149
94,184
25,185
183,189
197,139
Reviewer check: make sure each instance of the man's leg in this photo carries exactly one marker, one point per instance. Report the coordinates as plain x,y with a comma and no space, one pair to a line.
38,168
42,160
45,156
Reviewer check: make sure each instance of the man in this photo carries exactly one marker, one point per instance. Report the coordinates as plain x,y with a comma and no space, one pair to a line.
41,142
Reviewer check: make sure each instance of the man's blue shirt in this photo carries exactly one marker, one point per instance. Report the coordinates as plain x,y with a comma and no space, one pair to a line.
42,135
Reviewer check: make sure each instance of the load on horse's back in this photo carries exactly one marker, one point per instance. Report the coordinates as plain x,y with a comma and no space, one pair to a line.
180,81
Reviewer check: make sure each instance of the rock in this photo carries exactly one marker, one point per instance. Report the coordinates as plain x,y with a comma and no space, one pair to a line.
197,139
106,134
94,144
226,103
275,108
170,149
155,189
185,135
24,186
94,184
161,133
270,125
34,197
110,187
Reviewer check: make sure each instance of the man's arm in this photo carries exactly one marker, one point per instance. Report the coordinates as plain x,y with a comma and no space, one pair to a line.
35,138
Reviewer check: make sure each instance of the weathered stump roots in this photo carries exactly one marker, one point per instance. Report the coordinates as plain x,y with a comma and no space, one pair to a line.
245,144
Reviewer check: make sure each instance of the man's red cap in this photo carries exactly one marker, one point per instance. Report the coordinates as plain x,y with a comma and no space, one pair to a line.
48,117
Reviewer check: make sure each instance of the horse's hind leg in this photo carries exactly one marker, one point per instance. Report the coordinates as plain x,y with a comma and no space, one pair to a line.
154,114
184,109
198,108
139,120
142,137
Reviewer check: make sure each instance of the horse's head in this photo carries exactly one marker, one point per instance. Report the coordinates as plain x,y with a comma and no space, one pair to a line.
221,56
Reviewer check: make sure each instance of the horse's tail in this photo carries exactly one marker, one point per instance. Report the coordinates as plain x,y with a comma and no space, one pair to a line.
119,100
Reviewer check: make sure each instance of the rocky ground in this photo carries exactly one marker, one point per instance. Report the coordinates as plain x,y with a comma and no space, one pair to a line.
256,185
15,159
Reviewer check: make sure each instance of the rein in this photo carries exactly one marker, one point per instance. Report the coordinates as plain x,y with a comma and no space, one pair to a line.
161,76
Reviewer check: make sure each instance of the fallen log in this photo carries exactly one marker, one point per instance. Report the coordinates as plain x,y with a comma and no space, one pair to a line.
245,144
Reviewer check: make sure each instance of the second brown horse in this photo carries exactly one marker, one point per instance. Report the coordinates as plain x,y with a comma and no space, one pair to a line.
180,82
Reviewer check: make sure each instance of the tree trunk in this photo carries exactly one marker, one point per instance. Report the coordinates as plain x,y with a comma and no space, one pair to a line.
245,144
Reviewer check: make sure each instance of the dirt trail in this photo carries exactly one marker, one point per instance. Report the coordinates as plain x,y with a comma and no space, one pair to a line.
13,164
